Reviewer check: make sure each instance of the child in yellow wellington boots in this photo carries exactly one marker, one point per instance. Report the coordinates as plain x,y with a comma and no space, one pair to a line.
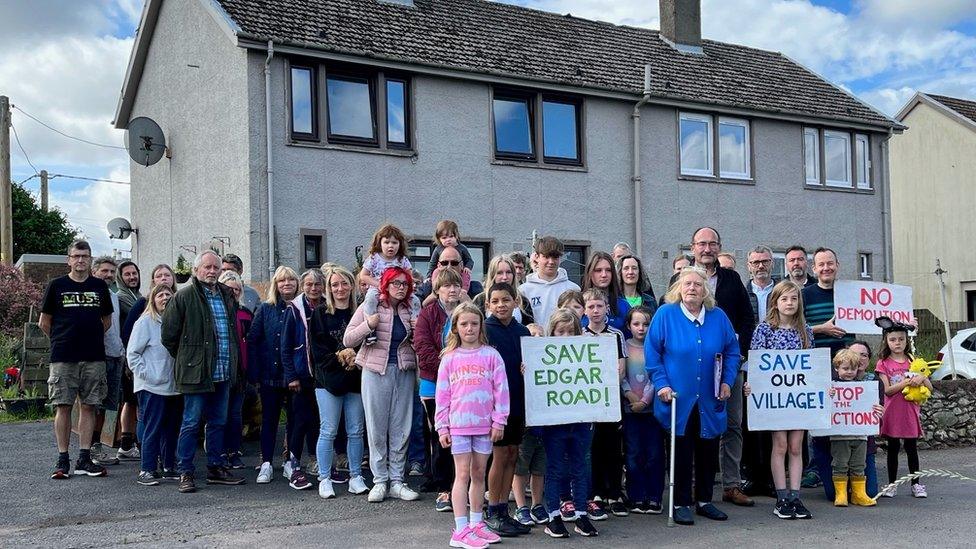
848,453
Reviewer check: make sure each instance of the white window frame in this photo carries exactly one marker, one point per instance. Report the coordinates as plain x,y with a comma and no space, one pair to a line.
862,168
709,144
814,178
848,159
864,265
747,149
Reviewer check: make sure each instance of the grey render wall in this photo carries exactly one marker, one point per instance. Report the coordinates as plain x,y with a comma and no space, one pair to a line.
349,194
200,192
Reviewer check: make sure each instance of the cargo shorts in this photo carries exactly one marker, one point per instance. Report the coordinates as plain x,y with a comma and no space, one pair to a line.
70,380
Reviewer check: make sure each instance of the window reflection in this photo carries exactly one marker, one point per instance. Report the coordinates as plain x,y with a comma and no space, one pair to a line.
513,130
301,101
396,118
350,108
559,132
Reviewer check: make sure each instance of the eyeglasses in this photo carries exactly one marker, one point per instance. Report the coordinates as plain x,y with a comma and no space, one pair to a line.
452,263
759,262
398,283
707,244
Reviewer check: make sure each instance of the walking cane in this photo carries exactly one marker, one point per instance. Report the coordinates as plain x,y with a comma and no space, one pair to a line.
674,407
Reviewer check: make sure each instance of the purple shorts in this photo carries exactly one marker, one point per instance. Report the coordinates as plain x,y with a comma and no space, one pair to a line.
463,444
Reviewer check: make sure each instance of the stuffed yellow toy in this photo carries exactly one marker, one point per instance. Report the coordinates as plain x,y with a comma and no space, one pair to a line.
919,367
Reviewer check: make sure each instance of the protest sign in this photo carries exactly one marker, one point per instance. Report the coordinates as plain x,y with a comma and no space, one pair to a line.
857,304
789,390
571,380
853,410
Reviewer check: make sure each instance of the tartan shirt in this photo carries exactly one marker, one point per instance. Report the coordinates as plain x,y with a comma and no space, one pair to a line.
221,370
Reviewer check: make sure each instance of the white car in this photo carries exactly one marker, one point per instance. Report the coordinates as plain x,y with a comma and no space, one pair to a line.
964,351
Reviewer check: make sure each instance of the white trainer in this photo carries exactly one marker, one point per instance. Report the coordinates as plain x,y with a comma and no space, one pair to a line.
325,489
357,485
265,474
286,470
402,491
378,493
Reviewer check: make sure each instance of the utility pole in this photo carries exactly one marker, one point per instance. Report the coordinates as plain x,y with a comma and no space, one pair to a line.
6,204
44,190
939,271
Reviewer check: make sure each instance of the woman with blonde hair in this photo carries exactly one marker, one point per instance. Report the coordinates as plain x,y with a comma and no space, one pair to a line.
265,362
154,385
337,380
501,269
691,349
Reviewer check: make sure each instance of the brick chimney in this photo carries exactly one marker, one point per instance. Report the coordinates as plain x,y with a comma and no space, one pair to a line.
681,24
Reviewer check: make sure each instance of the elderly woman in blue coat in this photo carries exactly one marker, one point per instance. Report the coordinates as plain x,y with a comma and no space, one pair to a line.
691,351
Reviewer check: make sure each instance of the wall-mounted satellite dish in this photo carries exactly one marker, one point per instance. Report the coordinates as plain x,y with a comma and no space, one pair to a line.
145,141
120,228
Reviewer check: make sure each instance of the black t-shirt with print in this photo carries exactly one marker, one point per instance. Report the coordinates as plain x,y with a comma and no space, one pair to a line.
76,310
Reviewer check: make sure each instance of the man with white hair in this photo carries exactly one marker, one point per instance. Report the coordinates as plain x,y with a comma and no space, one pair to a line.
620,249
198,330
760,267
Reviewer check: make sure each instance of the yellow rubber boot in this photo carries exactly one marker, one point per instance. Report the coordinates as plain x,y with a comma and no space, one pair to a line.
858,494
840,491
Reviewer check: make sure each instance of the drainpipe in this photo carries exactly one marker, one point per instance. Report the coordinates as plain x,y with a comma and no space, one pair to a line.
636,178
267,133
886,208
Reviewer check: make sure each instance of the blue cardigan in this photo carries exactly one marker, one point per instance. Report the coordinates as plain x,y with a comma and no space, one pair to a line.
679,355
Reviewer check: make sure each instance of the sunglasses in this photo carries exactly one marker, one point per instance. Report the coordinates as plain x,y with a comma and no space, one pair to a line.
452,263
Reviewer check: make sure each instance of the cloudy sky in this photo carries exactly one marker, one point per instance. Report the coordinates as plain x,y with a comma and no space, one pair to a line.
62,61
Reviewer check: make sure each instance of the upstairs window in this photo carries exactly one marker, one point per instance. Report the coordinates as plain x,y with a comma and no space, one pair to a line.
524,122
304,125
361,107
699,147
834,158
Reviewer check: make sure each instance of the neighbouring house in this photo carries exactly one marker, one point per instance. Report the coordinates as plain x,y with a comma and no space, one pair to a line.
933,202
511,121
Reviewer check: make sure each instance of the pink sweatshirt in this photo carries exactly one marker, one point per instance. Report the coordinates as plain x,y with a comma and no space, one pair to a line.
472,392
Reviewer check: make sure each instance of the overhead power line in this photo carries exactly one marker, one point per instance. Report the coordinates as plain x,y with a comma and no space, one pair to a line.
53,129
27,156
88,178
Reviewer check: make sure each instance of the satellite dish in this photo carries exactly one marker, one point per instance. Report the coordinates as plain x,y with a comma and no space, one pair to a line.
145,141
120,228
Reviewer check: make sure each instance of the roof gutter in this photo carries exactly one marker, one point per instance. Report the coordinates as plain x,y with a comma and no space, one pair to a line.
270,158
636,178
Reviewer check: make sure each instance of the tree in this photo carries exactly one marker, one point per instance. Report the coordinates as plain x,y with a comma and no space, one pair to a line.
17,295
37,231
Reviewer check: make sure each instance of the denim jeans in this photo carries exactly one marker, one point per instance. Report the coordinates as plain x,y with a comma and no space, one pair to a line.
197,408
331,409
644,443
567,470
233,431
159,423
273,401
871,475
417,447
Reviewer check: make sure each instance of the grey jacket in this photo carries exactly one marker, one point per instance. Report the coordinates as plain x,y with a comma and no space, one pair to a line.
150,362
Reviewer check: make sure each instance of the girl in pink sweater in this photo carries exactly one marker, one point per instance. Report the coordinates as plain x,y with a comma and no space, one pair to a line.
472,408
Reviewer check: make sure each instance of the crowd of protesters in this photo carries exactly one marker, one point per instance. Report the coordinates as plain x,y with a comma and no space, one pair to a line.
419,379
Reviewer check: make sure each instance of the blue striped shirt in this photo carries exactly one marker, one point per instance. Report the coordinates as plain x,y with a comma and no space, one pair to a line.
221,371
818,307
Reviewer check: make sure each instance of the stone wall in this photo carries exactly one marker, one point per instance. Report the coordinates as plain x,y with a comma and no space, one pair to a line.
949,417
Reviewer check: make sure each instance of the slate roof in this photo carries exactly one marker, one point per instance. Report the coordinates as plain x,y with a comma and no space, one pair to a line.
499,39
961,106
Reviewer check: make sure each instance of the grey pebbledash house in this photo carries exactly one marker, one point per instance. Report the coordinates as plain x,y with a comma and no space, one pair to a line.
349,113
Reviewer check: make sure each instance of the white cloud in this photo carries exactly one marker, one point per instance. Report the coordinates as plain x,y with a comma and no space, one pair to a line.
90,208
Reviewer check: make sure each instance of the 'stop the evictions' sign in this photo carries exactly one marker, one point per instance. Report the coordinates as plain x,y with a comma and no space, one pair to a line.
571,380
858,304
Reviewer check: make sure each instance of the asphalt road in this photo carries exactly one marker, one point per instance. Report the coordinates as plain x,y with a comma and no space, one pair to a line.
111,511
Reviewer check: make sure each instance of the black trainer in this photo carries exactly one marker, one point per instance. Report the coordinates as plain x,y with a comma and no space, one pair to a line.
88,467
370,339
784,509
800,511
652,508
498,525
556,529
520,529
618,508
170,474
222,475
584,527
62,470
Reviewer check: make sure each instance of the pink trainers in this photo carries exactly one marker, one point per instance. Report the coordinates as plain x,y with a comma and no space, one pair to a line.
466,538
482,531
